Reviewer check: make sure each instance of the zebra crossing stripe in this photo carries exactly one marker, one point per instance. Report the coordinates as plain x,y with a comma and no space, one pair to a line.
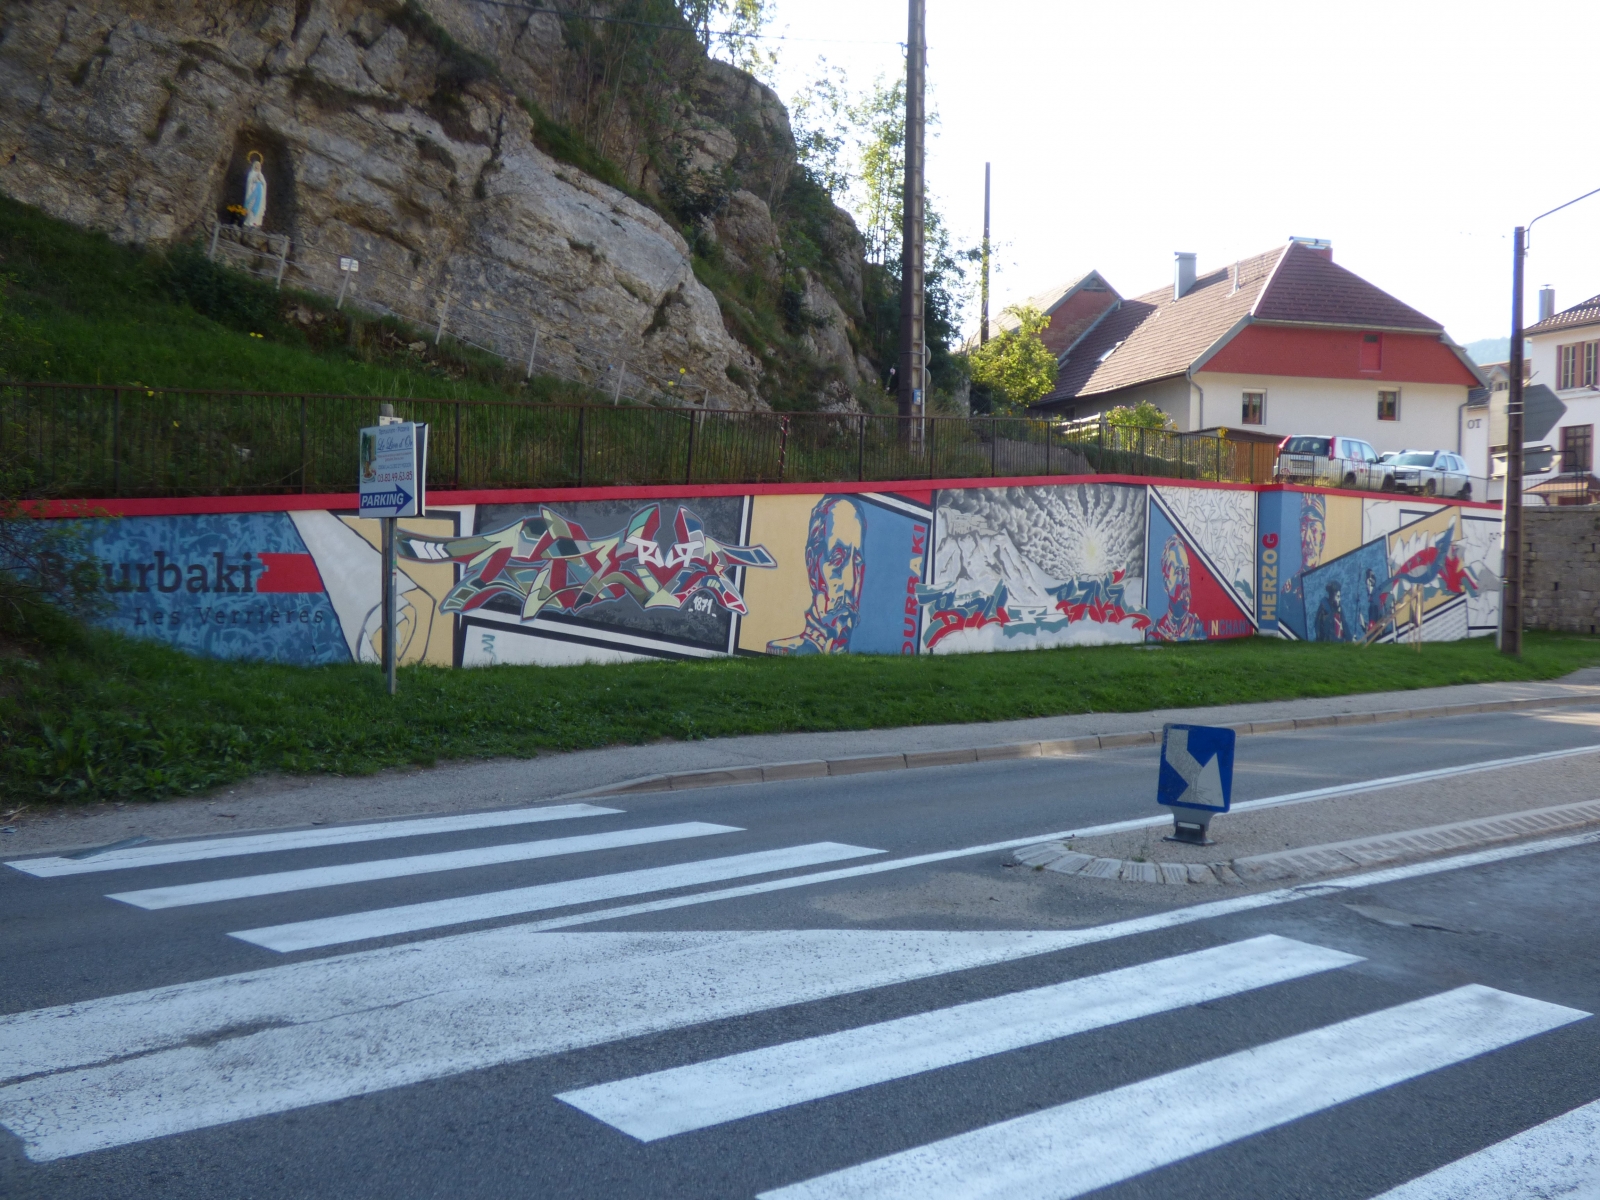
675,1101
1100,1140
1559,1158
121,1069
458,910
164,853
245,886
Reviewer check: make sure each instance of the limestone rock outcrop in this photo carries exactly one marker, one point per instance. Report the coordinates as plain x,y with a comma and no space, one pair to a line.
137,117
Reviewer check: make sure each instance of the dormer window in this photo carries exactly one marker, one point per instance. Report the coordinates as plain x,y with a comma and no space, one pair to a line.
1110,352
1372,351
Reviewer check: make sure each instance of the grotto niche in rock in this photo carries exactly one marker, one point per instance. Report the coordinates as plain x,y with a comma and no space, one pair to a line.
258,187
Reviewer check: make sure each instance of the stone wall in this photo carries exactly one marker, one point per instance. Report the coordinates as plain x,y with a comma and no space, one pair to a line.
1562,584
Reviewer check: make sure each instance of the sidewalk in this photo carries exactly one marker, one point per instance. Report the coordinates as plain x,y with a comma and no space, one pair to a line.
276,802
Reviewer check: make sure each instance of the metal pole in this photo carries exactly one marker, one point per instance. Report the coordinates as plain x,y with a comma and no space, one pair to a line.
116,442
861,449
933,443
388,604
616,396
911,229
983,290
1049,437
688,469
457,480
216,230
581,413
444,308
302,445
994,445
533,352
343,283
1511,519
783,445
283,261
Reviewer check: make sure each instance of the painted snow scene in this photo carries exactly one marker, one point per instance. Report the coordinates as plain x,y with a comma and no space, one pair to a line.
1028,568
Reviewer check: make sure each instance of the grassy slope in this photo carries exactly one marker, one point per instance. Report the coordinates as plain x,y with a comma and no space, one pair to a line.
118,718
98,312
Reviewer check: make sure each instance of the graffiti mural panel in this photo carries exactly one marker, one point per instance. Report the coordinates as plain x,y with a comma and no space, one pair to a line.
236,585
846,575
1476,545
653,578
1221,524
1298,532
1023,568
1188,597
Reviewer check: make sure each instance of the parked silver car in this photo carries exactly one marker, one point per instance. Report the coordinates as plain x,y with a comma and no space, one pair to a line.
1431,473
1328,461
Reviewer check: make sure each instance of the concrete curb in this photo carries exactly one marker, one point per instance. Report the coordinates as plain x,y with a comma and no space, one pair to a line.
1057,748
1309,862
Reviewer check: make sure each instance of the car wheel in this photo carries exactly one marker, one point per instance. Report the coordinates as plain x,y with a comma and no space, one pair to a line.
1388,484
1350,480
1466,492
1432,488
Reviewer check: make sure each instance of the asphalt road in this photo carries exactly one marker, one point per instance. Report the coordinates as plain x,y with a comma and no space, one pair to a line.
551,1008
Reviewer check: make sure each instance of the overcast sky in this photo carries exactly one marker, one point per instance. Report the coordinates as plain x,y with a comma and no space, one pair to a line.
1121,133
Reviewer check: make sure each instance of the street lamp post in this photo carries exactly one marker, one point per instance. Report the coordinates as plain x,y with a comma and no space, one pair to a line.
1511,540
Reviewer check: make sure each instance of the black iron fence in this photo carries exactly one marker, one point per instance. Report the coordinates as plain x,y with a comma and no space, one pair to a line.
102,441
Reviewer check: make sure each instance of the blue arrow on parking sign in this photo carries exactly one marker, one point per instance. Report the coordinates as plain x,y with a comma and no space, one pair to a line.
396,499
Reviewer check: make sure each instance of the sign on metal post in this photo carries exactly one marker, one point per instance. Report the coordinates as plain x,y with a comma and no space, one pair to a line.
1196,779
393,483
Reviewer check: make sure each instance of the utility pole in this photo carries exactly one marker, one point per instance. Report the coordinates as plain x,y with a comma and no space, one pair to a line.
983,304
911,390
1511,521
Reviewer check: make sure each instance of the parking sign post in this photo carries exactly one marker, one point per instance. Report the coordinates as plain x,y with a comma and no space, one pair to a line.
1196,780
393,484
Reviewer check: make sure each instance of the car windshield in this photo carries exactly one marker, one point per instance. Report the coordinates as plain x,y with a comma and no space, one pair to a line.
1416,458
1306,445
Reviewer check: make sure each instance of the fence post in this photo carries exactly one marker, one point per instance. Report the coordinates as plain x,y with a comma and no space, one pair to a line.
616,396
283,261
116,441
303,465
533,352
1219,458
933,443
1049,436
783,445
994,444
1144,468
444,308
688,470
861,450
581,412
458,446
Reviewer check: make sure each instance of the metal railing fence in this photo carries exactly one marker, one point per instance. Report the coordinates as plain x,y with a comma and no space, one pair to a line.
102,441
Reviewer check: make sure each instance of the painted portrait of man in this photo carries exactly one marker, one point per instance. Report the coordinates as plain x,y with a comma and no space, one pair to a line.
836,570
1178,623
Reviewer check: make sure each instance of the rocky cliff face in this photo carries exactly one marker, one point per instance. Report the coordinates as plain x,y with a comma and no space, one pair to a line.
401,135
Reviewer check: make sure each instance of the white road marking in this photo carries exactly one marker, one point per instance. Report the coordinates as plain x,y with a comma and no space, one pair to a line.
1095,933
458,910
123,1069
162,853
1559,1158
244,886
664,1103
1092,1143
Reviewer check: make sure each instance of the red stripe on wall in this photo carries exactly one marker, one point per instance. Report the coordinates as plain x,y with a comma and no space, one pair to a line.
288,573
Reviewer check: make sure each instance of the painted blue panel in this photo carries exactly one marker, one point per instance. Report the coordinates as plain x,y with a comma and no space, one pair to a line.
233,585
895,549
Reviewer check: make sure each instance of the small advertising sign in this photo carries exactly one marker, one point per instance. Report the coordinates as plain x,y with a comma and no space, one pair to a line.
394,469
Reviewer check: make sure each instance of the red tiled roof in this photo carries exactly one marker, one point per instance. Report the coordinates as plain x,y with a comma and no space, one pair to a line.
1155,337
1587,313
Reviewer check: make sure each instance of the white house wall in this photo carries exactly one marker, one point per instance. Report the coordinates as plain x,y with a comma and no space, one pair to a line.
1429,412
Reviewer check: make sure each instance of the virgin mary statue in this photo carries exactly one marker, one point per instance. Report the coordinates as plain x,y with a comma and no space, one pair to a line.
255,193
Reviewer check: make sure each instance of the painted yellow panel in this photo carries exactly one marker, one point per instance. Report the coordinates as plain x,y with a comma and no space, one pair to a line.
1342,526
423,633
778,599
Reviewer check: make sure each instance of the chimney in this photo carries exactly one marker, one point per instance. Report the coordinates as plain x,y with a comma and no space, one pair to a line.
1547,302
1183,280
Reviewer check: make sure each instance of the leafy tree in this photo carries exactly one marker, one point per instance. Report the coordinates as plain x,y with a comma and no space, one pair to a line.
1016,367
819,115
737,38
1143,415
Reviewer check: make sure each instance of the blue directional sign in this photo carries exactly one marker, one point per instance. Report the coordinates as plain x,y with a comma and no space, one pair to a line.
1196,767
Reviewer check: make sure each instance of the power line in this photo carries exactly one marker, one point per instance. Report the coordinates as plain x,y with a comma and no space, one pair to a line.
729,34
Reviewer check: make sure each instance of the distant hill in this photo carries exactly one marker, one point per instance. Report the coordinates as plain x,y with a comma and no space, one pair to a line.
1489,350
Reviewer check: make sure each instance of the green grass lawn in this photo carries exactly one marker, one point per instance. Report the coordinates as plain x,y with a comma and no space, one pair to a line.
117,718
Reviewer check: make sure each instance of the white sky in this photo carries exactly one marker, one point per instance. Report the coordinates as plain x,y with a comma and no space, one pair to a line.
1121,133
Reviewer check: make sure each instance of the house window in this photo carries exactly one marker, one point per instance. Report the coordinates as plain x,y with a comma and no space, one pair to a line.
1389,405
1578,365
1577,448
1255,403
1372,351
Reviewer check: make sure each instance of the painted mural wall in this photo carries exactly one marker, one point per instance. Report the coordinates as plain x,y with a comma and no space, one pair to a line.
947,571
